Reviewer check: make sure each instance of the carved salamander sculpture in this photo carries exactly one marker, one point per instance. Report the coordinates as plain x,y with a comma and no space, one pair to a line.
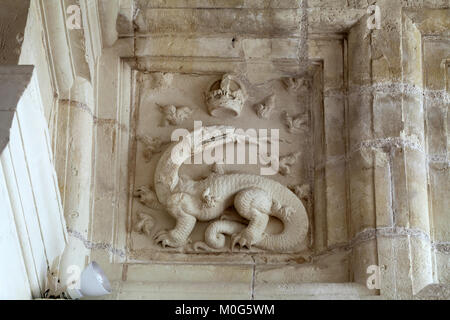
254,197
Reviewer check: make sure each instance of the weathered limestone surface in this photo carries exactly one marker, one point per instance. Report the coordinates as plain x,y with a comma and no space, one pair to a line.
366,108
370,202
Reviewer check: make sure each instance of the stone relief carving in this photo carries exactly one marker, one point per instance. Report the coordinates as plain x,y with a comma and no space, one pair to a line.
294,84
226,97
287,162
217,168
160,80
148,198
191,87
295,124
303,192
254,197
174,115
265,108
144,224
152,146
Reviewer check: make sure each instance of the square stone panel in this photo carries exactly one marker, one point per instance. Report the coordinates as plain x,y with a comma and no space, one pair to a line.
186,92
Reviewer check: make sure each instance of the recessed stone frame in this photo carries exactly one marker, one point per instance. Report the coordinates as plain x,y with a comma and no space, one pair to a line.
113,192
378,237
117,135
328,242
210,67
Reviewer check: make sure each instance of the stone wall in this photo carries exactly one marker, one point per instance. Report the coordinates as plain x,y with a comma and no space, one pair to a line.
376,145
373,176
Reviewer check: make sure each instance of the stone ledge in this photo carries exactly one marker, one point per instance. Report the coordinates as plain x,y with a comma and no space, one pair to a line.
434,291
333,291
182,291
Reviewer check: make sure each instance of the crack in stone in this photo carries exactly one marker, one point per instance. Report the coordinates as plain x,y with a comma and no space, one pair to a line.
361,237
396,232
78,105
386,143
443,247
97,120
437,159
441,96
96,245
389,232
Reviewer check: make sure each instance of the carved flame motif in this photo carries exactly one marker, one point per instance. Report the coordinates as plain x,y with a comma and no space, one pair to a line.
296,124
152,146
294,84
265,108
287,162
174,115
144,224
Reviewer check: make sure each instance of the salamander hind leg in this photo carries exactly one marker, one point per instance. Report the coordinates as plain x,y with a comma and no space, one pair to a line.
255,205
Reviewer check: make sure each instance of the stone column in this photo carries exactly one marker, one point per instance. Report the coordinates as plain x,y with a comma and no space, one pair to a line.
74,140
361,154
74,167
388,169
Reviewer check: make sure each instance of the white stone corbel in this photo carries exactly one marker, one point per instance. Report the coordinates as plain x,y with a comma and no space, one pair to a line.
13,82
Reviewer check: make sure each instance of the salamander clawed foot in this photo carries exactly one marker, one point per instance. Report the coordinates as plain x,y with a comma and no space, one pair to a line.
241,239
165,239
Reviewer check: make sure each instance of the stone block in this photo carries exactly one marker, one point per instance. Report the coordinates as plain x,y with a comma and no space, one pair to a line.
436,125
383,189
186,282
334,125
329,268
387,115
443,266
360,117
362,206
364,255
220,4
336,193
417,190
280,22
394,261
439,184
315,291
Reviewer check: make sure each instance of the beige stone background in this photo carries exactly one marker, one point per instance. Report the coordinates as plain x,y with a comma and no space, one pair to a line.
379,135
